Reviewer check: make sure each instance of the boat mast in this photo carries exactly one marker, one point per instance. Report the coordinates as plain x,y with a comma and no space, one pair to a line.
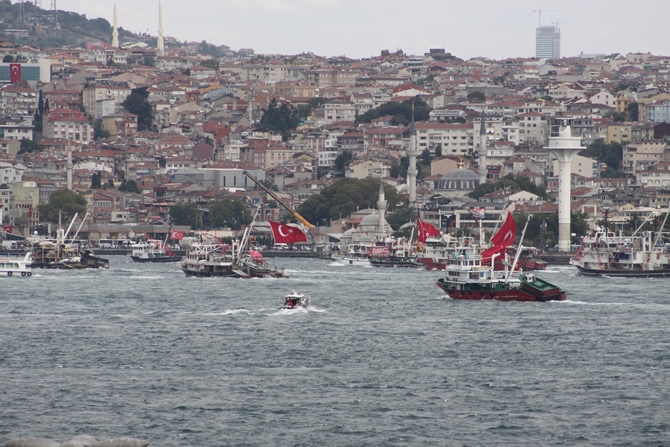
518,250
247,233
80,225
660,230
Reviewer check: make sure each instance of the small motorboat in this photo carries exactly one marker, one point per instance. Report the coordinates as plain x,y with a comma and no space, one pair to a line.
295,300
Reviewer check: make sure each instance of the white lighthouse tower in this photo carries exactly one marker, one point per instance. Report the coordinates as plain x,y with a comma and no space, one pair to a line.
564,147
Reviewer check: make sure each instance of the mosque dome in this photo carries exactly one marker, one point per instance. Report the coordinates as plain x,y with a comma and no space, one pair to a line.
458,180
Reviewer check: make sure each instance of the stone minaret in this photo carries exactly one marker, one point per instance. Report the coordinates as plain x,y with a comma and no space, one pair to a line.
482,151
250,110
160,46
381,208
411,170
115,30
68,166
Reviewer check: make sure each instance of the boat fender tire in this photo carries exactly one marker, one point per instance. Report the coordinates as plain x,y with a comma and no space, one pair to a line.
351,262
30,273
23,273
9,273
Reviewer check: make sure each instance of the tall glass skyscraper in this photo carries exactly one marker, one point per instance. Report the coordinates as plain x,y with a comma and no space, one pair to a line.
548,42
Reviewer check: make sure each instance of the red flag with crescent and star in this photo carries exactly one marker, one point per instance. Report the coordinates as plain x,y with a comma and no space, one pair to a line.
177,235
426,230
507,233
14,73
286,234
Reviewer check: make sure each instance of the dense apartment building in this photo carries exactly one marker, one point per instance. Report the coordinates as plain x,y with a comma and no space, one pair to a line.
100,101
17,101
71,124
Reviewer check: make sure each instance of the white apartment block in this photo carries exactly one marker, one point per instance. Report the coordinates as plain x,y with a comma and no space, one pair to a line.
91,95
453,139
337,110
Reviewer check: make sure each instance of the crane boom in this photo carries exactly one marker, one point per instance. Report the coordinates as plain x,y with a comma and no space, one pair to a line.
297,215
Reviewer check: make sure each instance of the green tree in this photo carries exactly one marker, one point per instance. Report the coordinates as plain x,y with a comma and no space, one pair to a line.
402,112
99,132
343,160
186,214
345,196
611,154
96,180
138,103
29,146
229,213
632,110
129,186
279,119
8,58
210,63
477,95
511,182
400,217
149,61
65,201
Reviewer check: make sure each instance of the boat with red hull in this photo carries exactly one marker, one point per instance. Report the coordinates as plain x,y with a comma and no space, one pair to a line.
466,278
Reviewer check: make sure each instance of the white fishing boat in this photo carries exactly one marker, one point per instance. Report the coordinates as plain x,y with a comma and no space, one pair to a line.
16,266
295,300
355,255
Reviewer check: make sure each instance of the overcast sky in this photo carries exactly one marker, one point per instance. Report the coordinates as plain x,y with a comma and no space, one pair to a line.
361,28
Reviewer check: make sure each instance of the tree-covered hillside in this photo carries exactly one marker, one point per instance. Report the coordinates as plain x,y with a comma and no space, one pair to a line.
73,29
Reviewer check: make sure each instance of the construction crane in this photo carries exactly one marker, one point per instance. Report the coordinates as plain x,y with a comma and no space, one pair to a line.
539,14
300,219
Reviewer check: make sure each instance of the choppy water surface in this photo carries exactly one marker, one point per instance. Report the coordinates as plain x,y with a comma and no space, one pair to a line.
381,358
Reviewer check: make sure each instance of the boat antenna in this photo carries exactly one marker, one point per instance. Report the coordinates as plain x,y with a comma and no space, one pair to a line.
518,250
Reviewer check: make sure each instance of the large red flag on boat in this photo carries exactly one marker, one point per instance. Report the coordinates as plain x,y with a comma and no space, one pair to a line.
426,230
14,73
506,234
177,235
286,234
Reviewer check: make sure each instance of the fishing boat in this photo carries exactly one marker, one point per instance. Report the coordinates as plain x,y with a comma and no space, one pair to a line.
212,258
356,254
396,254
436,252
153,250
604,253
16,265
294,300
529,260
466,278
62,253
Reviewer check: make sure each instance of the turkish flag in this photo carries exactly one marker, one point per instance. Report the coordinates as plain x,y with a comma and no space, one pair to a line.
285,234
14,73
177,235
426,230
7,229
506,234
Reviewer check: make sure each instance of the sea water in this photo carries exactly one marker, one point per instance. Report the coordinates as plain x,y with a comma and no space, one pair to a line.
381,357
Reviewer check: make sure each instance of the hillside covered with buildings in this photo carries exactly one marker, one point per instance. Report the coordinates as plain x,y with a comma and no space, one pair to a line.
181,123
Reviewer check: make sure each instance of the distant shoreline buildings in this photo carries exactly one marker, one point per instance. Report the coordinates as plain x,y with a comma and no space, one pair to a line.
206,114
